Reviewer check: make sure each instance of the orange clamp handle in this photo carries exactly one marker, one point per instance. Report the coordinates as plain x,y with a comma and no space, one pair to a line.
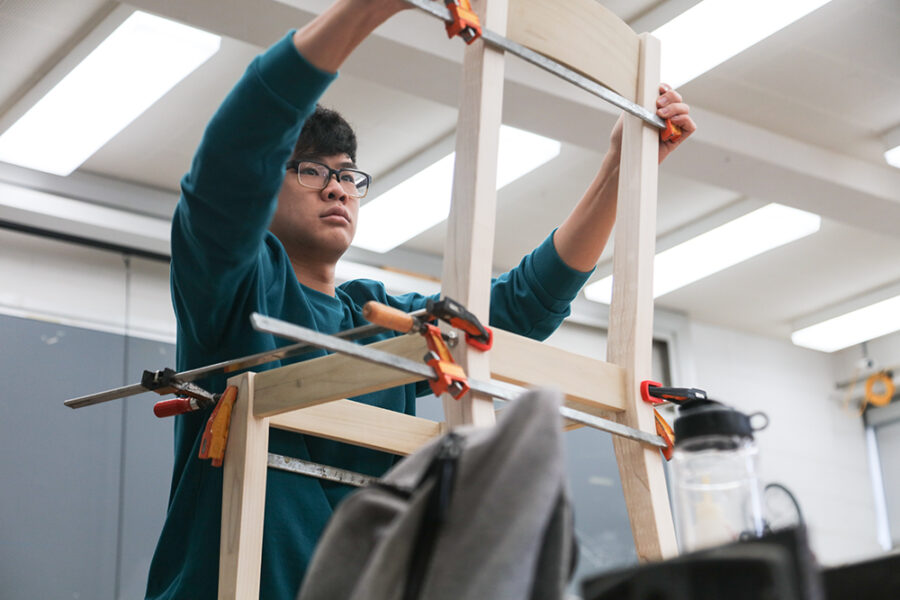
215,436
450,377
671,133
664,430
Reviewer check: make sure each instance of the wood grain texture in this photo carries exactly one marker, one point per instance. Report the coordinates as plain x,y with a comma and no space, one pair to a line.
469,245
361,425
581,34
631,319
333,377
589,385
243,496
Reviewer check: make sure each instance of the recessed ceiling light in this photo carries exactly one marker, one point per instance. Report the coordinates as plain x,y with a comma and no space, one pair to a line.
121,78
854,327
763,229
423,200
892,143
712,31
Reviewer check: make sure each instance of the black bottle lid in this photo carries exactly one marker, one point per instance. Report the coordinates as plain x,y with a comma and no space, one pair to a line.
699,418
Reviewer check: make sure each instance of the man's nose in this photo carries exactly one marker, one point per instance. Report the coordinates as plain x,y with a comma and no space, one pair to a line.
334,190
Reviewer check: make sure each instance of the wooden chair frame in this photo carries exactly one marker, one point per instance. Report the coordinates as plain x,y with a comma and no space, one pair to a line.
309,397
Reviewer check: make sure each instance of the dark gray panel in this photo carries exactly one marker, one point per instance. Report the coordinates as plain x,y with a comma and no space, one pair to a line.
60,468
147,472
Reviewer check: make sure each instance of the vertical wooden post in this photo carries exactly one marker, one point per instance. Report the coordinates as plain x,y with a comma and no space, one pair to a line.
243,496
631,317
469,247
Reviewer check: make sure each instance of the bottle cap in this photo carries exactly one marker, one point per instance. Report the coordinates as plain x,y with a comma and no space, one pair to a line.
699,418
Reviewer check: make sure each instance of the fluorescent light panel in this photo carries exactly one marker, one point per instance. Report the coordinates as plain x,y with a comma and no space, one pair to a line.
892,143
130,70
763,229
855,327
423,200
892,157
712,31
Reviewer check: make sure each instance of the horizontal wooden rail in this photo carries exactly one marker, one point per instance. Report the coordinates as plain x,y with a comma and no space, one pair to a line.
589,385
333,377
361,425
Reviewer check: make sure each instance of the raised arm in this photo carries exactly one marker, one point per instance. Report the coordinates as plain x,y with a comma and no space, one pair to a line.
583,235
330,38
230,193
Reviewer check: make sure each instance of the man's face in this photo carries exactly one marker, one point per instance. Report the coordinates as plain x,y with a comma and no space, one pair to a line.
319,223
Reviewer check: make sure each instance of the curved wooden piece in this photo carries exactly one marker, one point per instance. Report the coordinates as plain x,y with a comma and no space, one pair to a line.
581,34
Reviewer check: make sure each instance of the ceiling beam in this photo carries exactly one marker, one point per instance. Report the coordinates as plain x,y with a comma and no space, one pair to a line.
724,152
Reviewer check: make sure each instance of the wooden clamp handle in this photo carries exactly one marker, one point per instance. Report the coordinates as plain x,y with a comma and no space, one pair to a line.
388,317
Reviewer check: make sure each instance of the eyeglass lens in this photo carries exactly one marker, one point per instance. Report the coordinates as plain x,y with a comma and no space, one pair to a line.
316,175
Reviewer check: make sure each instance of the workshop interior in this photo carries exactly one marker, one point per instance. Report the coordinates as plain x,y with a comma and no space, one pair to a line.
724,414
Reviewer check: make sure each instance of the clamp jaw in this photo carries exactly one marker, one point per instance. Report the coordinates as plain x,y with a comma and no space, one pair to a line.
654,393
465,22
450,377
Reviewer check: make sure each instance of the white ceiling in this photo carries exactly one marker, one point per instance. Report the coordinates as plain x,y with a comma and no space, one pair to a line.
795,119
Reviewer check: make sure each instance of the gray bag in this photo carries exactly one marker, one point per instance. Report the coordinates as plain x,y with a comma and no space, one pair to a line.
478,514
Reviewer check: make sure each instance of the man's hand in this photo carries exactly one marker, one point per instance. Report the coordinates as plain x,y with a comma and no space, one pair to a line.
669,105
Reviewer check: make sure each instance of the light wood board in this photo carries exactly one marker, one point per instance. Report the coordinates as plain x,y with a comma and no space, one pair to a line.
361,425
469,245
243,496
631,319
333,377
581,34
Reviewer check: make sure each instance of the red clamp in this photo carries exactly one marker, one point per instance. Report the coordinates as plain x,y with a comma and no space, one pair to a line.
653,393
465,22
450,376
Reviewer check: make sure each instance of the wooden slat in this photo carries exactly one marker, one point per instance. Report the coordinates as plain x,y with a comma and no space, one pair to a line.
333,377
590,385
469,245
631,319
581,34
361,425
243,496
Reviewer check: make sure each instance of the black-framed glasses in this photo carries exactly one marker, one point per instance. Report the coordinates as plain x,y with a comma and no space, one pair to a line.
315,175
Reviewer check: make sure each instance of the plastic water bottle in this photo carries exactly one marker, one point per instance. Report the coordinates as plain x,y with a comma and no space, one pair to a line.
717,495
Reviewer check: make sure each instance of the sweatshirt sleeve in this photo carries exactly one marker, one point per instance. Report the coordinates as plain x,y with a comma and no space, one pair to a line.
533,298
230,193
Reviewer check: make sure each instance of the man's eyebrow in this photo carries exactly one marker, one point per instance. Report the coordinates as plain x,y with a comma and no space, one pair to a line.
347,164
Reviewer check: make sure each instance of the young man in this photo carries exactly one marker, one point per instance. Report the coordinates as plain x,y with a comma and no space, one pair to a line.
259,228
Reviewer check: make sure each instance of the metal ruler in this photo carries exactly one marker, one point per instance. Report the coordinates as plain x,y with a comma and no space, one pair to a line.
305,467
229,366
437,9
494,389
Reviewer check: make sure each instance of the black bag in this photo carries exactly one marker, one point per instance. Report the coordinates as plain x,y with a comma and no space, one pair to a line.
479,514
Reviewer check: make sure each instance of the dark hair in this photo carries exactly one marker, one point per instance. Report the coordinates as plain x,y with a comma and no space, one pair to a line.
325,133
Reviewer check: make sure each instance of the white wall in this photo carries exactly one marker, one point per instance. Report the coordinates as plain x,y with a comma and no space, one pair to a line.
813,445
76,285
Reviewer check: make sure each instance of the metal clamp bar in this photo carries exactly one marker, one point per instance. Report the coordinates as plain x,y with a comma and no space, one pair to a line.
495,389
305,467
438,10
228,366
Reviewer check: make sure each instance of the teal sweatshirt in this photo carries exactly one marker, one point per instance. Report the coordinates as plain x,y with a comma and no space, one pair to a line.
226,265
